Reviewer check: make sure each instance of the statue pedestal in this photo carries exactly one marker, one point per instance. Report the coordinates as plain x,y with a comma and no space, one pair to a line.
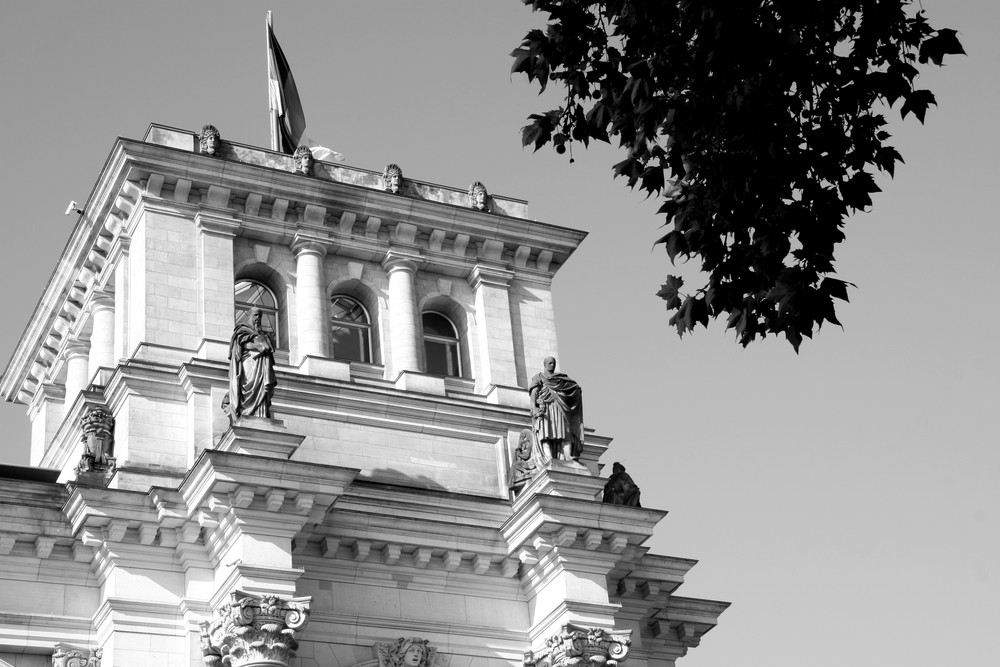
260,436
569,479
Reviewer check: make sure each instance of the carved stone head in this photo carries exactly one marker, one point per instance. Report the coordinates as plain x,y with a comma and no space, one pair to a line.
211,140
392,178
303,160
405,652
478,196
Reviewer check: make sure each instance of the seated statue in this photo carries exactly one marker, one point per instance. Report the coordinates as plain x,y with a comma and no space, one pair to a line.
525,463
557,412
251,370
620,489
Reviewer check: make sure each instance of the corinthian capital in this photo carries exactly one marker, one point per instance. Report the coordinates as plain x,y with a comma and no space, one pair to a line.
67,655
254,630
577,646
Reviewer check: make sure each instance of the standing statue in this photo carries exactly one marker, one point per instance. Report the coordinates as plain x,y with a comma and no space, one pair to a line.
525,463
620,489
303,159
557,412
251,370
211,140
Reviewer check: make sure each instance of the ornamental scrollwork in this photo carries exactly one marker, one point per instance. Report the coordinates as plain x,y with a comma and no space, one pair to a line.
578,646
250,629
67,655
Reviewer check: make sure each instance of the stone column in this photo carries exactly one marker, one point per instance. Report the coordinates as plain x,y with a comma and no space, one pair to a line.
102,335
404,337
77,365
490,284
254,631
313,332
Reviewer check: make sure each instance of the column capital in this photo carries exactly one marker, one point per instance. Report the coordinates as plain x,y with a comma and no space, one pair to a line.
218,223
575,644
402,260
67,655
254,630
490,273
309,243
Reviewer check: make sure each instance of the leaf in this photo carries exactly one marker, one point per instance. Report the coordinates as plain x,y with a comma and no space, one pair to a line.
917,101
670,292
935,48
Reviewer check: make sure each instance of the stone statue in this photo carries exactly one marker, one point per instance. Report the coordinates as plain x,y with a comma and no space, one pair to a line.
557,412
392,178
251,369
98,438
211,140
478,196
525,463
620,489
405,652
303,158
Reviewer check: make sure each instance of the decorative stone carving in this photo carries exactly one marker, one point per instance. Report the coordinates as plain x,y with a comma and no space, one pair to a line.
392,178
252,630
405,652
576,646
211,140
620,489
67,655
478,197
251,370
303,158
557,412
526,461
98,438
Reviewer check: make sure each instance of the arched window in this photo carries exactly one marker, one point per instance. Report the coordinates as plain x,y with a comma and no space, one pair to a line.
350,330
251,294
441,350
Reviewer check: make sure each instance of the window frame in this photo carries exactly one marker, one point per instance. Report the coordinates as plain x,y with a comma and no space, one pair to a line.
366,327
274,312
435,338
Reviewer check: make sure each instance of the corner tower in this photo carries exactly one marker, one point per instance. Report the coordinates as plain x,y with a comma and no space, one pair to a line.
406,321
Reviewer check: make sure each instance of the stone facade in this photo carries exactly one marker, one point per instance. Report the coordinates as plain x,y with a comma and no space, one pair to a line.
372,520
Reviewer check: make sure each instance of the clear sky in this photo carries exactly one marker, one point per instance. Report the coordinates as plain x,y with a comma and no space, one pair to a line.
845,500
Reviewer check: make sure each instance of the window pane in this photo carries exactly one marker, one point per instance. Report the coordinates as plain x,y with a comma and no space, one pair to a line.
439,360
438,325
347,310
349,343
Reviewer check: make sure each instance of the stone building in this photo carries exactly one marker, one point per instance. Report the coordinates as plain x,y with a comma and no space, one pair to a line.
372,520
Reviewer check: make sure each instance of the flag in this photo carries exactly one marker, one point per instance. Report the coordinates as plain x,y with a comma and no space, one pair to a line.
283,98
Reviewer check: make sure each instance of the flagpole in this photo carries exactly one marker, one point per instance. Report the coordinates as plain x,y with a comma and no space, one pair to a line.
273,113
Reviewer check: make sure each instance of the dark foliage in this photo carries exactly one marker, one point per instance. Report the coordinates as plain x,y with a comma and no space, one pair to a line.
759,123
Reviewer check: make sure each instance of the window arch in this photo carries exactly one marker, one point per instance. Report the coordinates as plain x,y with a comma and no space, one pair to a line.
442,350
253,294
350,330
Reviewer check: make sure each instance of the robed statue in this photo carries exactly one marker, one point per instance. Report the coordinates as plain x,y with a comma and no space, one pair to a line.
620,489
557,412
251,369
526,462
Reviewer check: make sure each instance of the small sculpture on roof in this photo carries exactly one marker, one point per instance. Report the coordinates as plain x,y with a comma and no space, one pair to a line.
303,158
98,427
526,461
392,178
478,196
620,489
211,140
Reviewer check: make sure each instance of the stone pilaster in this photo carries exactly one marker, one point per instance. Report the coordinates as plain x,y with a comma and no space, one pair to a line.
490,284
313,330
404,336
254,631
216,231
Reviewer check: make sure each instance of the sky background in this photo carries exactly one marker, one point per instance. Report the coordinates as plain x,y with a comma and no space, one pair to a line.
845,500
